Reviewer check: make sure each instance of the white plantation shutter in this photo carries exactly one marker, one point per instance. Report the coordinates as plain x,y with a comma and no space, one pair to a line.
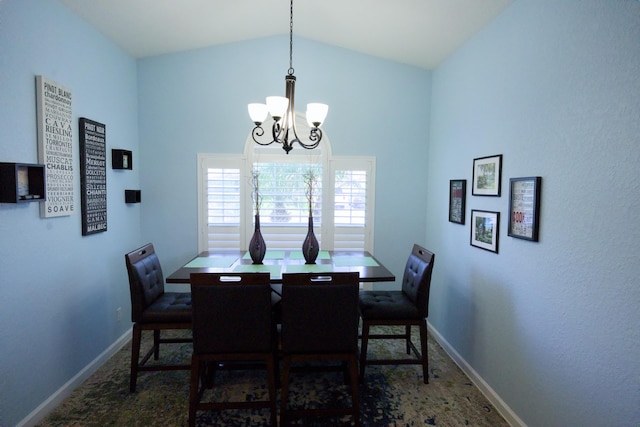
284,212
343,202
353,203
220,202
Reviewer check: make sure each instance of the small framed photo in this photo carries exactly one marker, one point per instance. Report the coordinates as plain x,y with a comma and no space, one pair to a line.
485,227
487,176
457,196
524,207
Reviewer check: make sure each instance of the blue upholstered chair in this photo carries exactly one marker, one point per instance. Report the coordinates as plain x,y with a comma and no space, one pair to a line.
232,322
406,307
320,324
153,309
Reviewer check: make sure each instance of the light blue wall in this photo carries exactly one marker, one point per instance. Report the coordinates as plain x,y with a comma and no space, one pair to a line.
553,327
196,102
553,86
59,291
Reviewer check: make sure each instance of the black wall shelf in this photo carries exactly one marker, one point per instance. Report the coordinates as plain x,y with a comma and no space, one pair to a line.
121,159
22,182
132,196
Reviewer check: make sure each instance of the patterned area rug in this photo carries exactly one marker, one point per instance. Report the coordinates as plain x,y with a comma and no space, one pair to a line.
390,395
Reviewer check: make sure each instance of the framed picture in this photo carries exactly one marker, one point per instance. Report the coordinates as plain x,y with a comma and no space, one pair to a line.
485,227
487,176
457,196
524,207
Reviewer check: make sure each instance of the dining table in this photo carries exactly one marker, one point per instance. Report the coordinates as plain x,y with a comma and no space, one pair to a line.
279,262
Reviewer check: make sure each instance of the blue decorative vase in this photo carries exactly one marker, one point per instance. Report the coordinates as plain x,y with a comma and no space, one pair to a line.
257,246
310,247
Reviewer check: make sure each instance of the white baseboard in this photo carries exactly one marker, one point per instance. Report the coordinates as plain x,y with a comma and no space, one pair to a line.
63,392
477,380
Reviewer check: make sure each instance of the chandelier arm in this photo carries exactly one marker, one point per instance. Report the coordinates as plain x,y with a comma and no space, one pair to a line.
278,131
314,136
256,133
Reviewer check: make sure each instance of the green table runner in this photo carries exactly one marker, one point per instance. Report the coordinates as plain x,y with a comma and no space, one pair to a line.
220,262
298,255
270,254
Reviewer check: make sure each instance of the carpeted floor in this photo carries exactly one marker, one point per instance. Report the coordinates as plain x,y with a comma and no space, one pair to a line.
390,395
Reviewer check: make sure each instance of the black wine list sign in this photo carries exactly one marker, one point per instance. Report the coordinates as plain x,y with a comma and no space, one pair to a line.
93,176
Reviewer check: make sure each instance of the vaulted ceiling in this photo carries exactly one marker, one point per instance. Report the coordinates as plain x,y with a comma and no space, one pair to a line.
415,32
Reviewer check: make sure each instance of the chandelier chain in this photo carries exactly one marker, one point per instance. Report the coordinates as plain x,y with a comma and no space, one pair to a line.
291,39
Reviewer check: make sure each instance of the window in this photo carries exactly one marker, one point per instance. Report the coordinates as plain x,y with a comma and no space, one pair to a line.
220,193
342,205
284,211
353,204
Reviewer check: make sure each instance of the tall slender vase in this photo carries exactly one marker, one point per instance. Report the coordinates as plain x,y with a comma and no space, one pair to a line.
257,246
310,247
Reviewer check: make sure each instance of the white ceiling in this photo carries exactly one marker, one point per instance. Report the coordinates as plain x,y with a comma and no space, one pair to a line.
415,32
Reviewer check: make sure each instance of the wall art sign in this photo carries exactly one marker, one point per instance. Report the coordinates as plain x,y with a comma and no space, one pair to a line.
485,227
55,146
93,176
487,176
457,195
524,207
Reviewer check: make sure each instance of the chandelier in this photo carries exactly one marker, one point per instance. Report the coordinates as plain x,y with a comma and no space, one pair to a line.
281,109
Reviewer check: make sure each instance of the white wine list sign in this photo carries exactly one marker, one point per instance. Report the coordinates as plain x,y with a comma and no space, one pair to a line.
55,146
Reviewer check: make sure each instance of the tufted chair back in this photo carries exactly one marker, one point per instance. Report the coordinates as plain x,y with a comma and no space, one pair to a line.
146,282
320,312
416,280
231,313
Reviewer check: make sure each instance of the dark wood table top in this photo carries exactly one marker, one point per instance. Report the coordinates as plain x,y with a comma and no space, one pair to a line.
277,262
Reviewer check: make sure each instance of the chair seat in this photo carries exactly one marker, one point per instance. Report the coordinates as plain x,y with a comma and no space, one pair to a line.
387,305
169,307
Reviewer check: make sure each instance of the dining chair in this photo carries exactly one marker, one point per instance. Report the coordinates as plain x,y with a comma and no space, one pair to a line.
232,322
406,307
153,309
320,325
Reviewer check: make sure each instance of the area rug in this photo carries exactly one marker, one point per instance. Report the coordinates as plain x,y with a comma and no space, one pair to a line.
390,395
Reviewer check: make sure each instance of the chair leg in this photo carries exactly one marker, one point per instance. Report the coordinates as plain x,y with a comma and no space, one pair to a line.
156,344
193,389
425,353
284,391
135,356
208,373
355,394
271,373
407,337
363,348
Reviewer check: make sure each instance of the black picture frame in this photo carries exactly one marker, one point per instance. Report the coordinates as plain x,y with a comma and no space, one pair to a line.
524,207
487,176
457,200
485,230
